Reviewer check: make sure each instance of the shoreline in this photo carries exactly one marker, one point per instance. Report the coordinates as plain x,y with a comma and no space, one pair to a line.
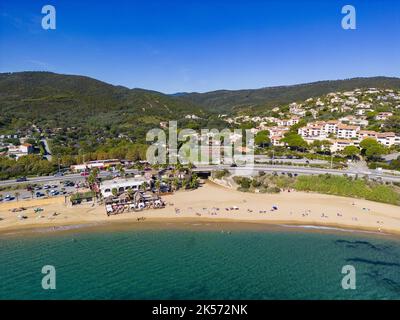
296,210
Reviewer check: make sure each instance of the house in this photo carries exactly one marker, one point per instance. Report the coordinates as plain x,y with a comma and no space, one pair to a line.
347,132
388,139
354,121
383,115
313,130
339,144
363,134
20,151
276,141
26,148
100,164
288,122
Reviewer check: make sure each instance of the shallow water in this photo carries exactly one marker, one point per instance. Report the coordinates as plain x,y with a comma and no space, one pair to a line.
199,264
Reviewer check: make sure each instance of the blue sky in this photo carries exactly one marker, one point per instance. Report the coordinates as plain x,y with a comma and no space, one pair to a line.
173,46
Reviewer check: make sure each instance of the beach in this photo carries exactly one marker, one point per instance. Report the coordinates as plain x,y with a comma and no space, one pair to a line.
212,203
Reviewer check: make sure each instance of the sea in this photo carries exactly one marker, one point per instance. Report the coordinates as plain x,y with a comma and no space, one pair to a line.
196,261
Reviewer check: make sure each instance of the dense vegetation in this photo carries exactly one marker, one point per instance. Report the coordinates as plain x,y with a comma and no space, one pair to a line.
328,184
260,99
28,165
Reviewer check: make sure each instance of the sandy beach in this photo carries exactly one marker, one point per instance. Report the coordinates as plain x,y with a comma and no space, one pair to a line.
212,202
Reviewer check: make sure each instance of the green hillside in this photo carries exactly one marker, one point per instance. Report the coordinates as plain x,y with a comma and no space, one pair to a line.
54,100
234,100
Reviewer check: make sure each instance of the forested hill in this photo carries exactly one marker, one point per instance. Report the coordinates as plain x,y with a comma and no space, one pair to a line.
56,100
235,100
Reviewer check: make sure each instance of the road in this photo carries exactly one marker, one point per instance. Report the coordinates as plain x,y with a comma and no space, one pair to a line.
301,170
48,155
240,170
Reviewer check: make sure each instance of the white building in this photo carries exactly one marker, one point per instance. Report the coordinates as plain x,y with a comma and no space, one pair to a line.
288,122
121,185
383,115
347,132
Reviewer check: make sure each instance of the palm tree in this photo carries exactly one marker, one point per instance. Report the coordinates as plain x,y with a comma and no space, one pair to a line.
121,170
17,194
114,192
185,183
130,193
194,181
32,192
178,168
158,186
143,186
175,183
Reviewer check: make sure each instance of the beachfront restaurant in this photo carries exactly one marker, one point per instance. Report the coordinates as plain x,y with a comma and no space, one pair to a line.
121,185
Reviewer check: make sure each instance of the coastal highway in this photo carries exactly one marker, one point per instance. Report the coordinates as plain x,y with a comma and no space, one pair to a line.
371,174
45,179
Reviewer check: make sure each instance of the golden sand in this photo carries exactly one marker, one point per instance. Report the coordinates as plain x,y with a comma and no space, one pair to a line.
210,203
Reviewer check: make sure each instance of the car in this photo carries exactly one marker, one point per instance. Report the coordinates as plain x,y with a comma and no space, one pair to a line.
8,198
46,187
39,194
233,165
59,174
54,186
84,174
22,179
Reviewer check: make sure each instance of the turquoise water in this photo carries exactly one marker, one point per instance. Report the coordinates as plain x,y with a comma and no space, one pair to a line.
177,264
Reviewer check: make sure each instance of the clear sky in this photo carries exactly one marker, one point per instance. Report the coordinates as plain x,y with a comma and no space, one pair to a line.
203,45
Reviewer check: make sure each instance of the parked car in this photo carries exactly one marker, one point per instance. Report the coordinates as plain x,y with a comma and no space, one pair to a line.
54,192
39,194
69,184
22,179
84,174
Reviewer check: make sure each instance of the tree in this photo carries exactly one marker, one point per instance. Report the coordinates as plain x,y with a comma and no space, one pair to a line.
351,151
295,128
194,181
17,194
372,148
392,124
114,192
130,193
367,143
121,170
262,138
295,141
375,151
175,183
144,186
185,183
158,186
